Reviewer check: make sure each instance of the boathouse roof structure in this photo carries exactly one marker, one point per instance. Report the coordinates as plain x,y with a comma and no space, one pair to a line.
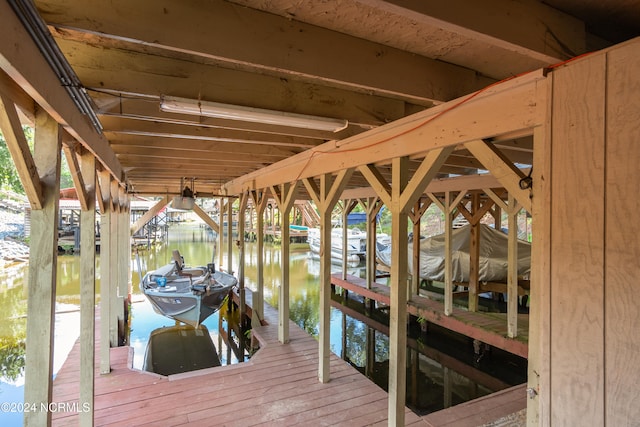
503,105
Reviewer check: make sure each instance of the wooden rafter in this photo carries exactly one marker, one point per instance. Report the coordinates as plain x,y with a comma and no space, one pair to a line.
20,153
76,175
502,168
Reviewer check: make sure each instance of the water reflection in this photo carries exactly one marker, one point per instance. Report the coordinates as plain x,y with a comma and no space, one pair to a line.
181,348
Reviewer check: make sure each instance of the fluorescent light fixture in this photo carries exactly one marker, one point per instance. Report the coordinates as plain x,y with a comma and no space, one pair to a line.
170,104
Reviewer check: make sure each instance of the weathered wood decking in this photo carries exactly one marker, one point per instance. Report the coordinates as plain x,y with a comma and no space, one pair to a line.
278,386
490,328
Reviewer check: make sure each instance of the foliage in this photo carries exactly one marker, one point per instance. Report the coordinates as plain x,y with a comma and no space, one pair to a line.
12,359
9,178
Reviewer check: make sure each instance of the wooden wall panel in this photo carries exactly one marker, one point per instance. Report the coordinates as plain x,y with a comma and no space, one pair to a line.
577,244
622,253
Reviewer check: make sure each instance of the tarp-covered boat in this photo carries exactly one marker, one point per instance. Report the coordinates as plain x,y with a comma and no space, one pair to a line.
493,256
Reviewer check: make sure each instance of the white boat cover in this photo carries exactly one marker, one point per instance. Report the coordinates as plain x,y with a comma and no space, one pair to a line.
493,256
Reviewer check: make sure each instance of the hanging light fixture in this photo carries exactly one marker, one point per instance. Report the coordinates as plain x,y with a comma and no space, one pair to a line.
186,199
170,104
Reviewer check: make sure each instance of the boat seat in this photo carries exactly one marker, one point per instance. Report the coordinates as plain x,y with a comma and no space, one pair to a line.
177,258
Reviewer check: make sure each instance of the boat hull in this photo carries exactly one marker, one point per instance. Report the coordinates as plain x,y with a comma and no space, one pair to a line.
189,300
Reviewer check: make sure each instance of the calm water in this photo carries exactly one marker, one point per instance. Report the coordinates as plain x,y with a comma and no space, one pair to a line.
441,369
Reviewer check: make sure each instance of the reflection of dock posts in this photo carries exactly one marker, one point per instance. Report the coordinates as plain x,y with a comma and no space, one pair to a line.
370,362
414,361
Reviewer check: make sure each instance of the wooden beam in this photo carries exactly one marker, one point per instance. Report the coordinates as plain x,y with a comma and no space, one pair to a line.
106,210
259,198
326,196
505,171
372,206
379,184
507,107
283,195
153,211
14,92
274,153
448,263
290,46
22,60
512,268
76,176
398,285
144,73
205,217
522,28
42,272
242,208
87,170
425,173
20,153
474,253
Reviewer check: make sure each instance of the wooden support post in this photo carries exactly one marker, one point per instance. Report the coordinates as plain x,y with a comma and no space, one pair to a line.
283,194
347,207
221,208
474,254
117,307
326,196
512,210
399,197
259,198
230,236
19,150
242,207
105,272
512,266
502,168
372,206
398,284
124,258
87,168
448,264
42,272
415,215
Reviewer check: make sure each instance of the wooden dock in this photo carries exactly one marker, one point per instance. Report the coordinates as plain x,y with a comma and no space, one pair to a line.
490,328
279,385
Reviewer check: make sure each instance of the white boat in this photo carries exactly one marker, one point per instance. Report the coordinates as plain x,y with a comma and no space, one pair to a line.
187,294
356,244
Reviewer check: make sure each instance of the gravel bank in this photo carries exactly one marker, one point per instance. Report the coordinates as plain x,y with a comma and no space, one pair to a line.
12,227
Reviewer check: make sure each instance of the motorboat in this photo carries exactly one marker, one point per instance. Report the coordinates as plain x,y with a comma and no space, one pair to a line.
187,294
356,244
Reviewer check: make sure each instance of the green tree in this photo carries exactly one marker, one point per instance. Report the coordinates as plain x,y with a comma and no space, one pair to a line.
9,179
